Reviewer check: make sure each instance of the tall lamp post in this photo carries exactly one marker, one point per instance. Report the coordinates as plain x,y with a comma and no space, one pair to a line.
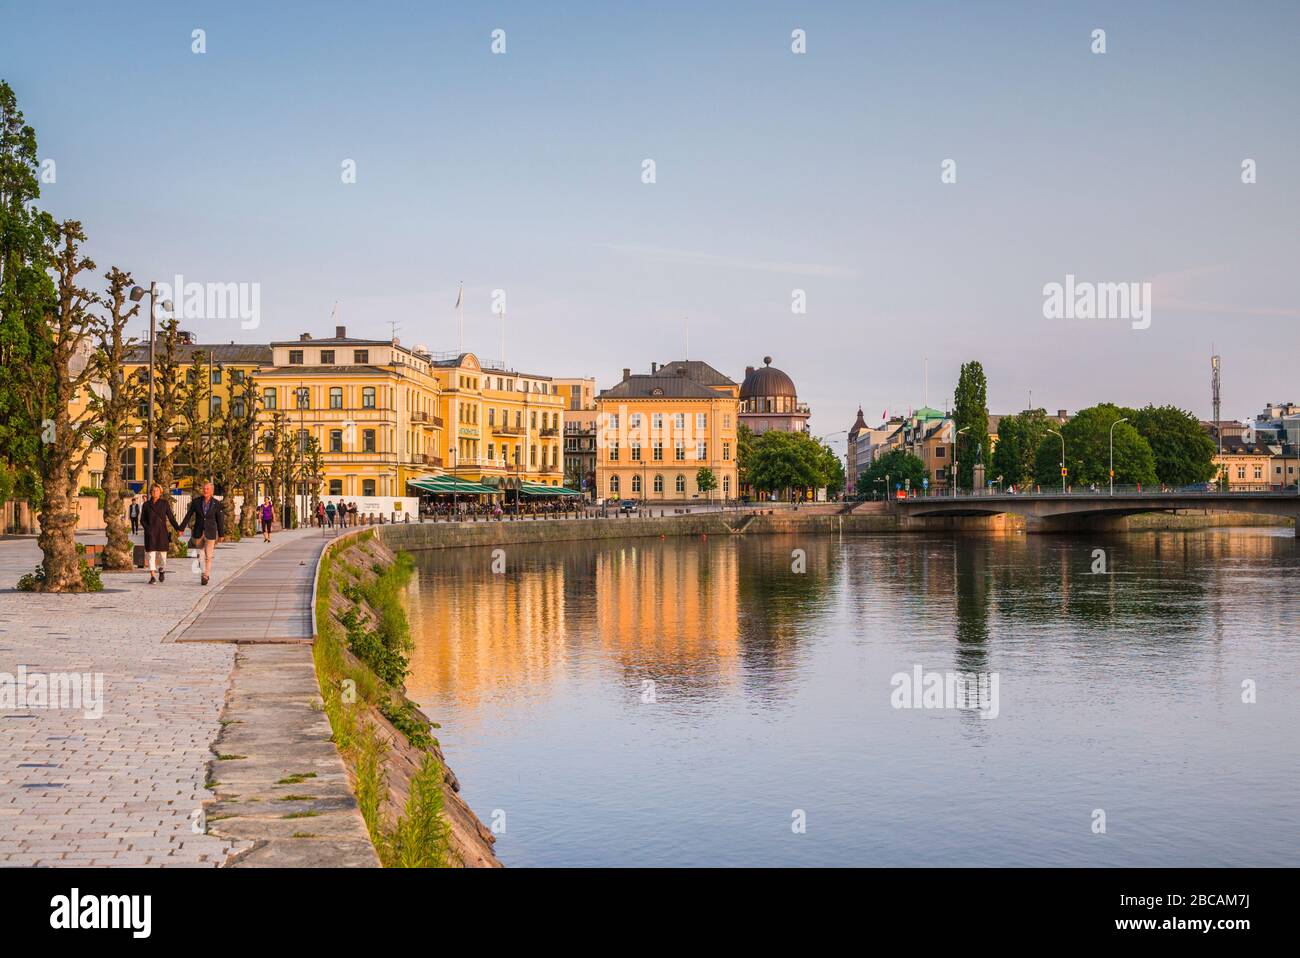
1112,452
954,457
137,294
1062,438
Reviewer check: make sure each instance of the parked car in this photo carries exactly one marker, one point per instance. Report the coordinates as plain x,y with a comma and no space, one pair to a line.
628,506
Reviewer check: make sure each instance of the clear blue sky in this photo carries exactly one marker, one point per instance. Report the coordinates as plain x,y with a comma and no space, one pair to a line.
775,171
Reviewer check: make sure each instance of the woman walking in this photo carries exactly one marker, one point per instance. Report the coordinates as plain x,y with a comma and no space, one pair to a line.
155,516
268,516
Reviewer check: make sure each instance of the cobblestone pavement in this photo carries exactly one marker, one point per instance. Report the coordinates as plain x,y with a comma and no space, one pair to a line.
124,788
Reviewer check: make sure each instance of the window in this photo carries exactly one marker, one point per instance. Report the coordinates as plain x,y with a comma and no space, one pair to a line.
681,483
304,439
519,419
336,487
361,357
1259,474
491,447
303,395
532,455
214,406
1241,472
336,440
702,451
368,441
659,484
679,420
938,452
657,451
268,442
236,376
327,357
368,397
701,420
268,397
679,451
237,407
295,357
726,452
613,484
726,485
128,464
532,421
216,375
657,420
492,418
726,421
611,421
336,397
636,483
613,452
636,451
634,421
367,487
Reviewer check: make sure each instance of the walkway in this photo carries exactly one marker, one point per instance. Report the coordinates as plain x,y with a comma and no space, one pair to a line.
124,787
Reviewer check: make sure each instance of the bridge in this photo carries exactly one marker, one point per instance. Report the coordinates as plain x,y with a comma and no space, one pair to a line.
1058,511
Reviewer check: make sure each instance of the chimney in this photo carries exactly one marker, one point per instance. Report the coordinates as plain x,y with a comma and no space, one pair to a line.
749,371
340,332
626,373
654,368
304,337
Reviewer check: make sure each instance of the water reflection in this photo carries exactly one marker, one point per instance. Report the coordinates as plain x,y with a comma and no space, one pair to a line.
770,660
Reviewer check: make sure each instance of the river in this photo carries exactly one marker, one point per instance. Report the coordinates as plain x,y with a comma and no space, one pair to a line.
744,701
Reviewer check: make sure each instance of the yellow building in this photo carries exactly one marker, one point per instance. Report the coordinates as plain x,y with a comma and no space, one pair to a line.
1244,465
656,431
504,427
371,405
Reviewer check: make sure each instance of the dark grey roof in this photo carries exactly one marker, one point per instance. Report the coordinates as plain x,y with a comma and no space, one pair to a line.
648,387
336,341
234,353
350,368
1237,446
699,371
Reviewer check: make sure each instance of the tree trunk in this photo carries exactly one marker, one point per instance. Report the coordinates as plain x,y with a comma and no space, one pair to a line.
58,538
118,553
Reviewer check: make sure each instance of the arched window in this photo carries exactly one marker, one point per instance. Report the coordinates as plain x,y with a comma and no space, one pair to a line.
613,484
659,484
636,483
681,483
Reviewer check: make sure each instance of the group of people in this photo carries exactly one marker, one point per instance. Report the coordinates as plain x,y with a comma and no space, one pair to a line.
206,518
345,513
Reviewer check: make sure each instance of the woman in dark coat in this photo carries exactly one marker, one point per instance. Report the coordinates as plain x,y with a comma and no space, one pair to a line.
155,517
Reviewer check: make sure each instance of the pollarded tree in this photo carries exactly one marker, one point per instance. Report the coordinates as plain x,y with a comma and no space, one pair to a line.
65,442
115,400
242,442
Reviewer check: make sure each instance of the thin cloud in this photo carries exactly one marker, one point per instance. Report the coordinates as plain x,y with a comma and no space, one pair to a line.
710,260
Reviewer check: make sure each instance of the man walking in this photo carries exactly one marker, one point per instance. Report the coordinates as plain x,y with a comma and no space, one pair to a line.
209,526
134,514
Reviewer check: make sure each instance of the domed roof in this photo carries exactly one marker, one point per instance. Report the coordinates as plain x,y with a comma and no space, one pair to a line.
766,381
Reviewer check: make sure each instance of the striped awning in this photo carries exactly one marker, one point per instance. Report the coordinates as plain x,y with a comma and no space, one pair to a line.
542,489
449,485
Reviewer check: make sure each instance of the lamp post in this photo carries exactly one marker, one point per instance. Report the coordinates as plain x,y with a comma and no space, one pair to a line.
137,294
954,457
1062,438
1112,452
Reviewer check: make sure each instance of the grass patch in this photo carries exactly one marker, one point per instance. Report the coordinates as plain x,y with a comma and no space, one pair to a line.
230,758
306,814
297,778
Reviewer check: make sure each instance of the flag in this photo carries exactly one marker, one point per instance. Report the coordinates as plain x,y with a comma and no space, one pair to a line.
460,294
884,416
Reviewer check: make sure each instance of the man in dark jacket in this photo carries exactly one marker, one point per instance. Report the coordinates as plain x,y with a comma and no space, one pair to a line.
209,526
156,516
133,514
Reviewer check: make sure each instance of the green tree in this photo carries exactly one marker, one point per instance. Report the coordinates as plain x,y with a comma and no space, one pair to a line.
896,467
26,299
970,413
1019,437
1184,452
706,481
744,454
831,468
783,462
1087,451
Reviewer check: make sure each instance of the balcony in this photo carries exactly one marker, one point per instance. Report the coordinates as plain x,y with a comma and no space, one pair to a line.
419,457
419,416
549,431
504,430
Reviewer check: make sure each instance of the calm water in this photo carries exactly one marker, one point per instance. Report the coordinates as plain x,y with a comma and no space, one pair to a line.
1119,692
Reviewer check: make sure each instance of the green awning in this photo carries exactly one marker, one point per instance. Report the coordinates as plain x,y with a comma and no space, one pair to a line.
449,485
542,489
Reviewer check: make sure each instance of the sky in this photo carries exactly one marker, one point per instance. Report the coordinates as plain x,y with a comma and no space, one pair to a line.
774,172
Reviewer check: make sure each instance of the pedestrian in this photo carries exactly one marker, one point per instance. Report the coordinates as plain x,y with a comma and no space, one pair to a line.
209,526
155,516
268,517
134,514
330,511
320,514
352,512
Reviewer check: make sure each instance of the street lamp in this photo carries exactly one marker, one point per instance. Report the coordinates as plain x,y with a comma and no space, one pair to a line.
1062,438
1112,452
954,457
137,294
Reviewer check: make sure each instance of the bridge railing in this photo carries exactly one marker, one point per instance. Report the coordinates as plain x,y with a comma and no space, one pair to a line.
1091,490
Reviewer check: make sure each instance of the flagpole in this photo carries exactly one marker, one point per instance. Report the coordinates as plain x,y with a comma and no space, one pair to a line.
503,337
460,309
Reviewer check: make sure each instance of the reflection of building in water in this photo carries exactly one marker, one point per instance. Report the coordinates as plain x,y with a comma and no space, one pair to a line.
476,633
669,608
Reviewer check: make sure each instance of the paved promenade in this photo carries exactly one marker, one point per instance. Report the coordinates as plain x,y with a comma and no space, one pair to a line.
125,788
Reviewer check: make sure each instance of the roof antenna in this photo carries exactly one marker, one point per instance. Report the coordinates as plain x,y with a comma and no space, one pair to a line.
394,326
687,321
